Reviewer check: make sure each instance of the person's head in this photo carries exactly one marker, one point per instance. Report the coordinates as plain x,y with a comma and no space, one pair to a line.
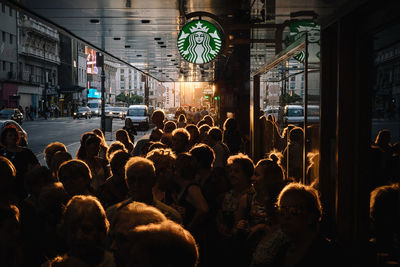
214,136
162,244
59,158
156,134
157,118
126,218
118,159
140,176
164,162
75,175
241,169
92,146
36,178
115,146
204,155
128,122
383,138
296,135
385,208
85,227
300,209
209,120
268,178
7,177
169,126
51,149
51,203
155,145
122,136
180,140
194,133
186,167
100,134
10,136
81,154
203,130
182,118
230,124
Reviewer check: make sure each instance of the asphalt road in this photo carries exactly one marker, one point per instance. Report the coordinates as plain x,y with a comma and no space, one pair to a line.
67,131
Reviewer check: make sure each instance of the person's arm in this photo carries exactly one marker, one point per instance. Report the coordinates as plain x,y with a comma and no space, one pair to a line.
196,198
241,222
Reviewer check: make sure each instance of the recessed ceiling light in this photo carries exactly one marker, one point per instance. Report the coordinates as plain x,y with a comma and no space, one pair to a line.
157,38
95,21
163,46
145,21
117,38
127,46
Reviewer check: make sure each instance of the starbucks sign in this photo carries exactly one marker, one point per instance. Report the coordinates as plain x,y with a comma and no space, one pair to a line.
199,42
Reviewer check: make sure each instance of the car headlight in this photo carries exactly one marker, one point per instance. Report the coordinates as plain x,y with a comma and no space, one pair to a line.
111,113
74,113
84,114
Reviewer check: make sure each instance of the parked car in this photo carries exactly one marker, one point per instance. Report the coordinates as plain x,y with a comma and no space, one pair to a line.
293,114
11,114
22,132
271,110
83,112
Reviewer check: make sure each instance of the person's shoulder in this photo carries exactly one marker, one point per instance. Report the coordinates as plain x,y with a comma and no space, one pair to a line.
168,211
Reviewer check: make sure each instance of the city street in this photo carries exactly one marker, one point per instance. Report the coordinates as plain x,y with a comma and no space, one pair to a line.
67,131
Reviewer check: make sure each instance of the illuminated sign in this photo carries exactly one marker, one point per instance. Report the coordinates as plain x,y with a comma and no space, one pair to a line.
91,61
297,29
199,42
93,93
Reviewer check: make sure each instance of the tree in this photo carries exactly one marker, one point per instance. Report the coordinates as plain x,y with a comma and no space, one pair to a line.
130,100
290,99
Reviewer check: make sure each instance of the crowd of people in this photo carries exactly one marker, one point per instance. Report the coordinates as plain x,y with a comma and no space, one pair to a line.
186,196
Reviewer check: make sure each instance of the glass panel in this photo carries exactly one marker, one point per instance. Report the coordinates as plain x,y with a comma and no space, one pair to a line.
283,96
385,122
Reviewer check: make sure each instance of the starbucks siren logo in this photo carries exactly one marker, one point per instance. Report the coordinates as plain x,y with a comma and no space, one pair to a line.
199,42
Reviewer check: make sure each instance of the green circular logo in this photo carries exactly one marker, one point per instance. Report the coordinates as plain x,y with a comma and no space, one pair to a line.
199,42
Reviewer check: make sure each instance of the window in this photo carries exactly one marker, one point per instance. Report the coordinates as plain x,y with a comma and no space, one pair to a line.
10,11
293,78
122,71
5,65
11,38
3,8
11,66
4,37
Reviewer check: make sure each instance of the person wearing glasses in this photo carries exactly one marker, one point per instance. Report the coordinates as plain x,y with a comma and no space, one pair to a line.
300,212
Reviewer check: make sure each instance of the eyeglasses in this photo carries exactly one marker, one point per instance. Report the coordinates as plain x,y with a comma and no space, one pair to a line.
290,210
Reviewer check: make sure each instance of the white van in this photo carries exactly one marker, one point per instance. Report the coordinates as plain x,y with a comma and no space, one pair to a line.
293,114
95,106
139,114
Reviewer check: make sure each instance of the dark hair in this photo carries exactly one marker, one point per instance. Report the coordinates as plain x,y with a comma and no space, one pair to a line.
115,146
118,159
186,166
194,131
169,127
229,124
182,118
182,132
140,167
38,177
204,154
244,161
215,133
385,206
81,154
72,168
51,149
58,158
12,129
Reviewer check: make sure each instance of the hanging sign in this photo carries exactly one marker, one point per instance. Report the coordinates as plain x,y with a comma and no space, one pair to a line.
297,29
199,42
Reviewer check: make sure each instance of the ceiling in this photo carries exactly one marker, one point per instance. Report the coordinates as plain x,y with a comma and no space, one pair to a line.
144,32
